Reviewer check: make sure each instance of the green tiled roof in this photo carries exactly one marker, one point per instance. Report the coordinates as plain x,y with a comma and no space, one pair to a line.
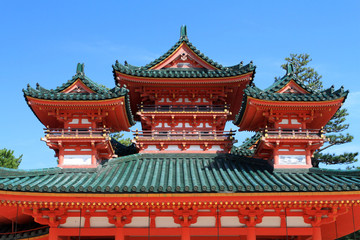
270,94
244,149
184,73
100,92
179,173
26,231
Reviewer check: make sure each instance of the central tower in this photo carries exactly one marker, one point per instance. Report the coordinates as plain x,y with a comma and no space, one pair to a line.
182,99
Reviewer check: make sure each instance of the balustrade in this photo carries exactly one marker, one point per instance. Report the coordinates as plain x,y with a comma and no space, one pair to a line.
183,108
292,133
76,132
184,135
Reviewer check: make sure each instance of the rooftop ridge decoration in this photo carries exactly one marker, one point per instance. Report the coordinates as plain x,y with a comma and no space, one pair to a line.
272,94
218,72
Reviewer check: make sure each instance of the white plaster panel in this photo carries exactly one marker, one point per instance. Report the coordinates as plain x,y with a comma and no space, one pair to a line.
179,100
207,125
172,148
269,222
73,222
269,210
292,159
138,222
187,125
195,148
296,210
100,222
296,222
77,160
231,222
161,100
166,125
85,150
74,121
166,222
295,121
179,125
284,150
299,150
215,148
187,100
151,148
69,150
85,121
204,222
284,121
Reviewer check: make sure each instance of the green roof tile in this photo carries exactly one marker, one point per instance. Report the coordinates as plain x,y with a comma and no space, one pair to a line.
220,71
271,94
100,92
180,173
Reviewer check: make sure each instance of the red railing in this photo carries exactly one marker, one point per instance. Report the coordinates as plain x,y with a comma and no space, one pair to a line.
77,132
183,108
184,135
292,133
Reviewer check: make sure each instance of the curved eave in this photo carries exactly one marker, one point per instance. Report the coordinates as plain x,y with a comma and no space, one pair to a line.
120,117
175,47
184,44
83,85
185,80
297,84
253,108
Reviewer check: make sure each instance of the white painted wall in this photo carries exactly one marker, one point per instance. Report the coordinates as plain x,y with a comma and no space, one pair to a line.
73,222
100,222
166,222
77,160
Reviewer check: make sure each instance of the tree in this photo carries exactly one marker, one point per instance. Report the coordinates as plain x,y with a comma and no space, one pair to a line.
8,160
336,126
120,138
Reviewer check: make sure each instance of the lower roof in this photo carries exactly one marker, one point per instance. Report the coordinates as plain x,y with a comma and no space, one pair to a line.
179,173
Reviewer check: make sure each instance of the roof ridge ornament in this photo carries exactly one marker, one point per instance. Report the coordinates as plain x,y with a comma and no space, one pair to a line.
289,69
183,32
80,69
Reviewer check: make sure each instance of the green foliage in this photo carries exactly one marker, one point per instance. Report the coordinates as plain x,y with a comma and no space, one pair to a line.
120,138
8,160
306,74
335,126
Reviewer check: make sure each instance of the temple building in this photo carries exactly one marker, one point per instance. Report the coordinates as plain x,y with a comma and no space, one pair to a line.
182,178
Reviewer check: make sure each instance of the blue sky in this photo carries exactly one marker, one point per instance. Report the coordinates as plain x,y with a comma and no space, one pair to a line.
42,42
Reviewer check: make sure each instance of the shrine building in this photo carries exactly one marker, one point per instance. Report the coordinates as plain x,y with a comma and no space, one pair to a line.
182,178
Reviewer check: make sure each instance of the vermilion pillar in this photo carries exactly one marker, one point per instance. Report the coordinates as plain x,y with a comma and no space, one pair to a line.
119,234
251,233
316,233
185,233
53,234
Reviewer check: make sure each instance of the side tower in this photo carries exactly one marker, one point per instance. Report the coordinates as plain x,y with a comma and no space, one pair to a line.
78,117
289,118
183,99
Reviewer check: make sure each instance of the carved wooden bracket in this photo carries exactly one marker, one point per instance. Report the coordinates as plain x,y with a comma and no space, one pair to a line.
185,216
120,216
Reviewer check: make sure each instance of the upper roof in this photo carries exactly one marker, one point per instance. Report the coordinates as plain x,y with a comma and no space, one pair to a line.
86,89
179,173
212,69
247,147
288,89
78,90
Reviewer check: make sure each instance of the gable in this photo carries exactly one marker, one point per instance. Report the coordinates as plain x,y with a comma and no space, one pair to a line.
183,57
77,87
293,88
